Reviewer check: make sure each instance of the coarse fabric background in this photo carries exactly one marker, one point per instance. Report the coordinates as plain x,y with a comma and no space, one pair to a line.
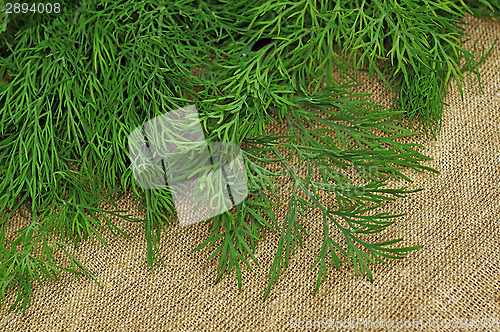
455,277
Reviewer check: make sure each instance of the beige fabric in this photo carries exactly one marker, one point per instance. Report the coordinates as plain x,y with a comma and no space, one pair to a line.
455,276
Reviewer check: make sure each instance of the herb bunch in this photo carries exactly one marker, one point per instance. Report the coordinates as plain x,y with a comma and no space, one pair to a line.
77,83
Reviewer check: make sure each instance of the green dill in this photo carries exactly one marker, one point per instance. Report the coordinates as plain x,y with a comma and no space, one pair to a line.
74,85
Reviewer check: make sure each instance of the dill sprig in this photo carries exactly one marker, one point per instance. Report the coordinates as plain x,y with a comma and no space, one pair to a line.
74,85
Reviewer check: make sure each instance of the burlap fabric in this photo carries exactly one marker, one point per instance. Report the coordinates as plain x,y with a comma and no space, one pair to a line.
454,279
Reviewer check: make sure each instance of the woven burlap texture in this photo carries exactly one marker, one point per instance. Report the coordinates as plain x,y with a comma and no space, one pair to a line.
454,278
